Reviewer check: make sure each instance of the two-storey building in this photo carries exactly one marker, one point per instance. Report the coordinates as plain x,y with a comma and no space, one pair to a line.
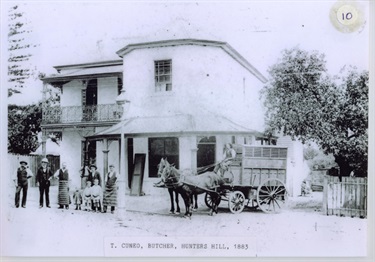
180,99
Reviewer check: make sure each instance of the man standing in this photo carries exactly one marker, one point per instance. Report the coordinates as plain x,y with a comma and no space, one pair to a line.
63,197
21,183
228,156
43,177
94,174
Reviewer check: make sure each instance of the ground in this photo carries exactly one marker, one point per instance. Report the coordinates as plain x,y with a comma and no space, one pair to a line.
300,230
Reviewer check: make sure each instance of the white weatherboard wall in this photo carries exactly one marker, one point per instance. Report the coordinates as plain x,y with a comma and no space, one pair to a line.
107,90
297,168
71,154
204,79
72,94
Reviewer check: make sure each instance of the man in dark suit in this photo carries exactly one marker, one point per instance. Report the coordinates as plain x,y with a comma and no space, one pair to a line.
43,177
21,183
94,174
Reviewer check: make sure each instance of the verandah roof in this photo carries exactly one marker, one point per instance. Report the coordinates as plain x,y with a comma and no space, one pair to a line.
175,124
80,71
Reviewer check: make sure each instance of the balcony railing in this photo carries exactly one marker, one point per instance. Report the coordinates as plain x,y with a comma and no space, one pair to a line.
76,114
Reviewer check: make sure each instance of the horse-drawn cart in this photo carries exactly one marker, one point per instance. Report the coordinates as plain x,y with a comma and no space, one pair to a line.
258,180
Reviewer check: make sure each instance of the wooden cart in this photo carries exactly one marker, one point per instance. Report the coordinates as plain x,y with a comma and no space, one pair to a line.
258,179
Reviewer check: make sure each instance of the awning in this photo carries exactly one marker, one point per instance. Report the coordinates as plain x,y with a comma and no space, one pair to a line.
176,125
79,73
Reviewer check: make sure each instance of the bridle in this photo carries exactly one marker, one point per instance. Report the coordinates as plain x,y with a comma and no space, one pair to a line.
169,179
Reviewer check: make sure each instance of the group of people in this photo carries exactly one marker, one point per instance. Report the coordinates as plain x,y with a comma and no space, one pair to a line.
92,197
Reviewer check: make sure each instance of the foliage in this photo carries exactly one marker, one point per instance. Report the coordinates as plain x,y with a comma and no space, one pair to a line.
19,69
318,160
304,102
23,128
310,152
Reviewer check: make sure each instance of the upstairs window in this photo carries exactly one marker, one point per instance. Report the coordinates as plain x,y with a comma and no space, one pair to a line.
163,75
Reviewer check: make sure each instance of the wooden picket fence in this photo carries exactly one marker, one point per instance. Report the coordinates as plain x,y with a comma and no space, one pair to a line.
345,198
34,162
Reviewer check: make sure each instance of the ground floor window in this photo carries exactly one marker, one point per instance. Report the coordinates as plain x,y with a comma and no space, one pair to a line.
166,147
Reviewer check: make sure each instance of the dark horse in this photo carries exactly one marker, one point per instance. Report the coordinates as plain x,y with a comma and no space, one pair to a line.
188,185
172,189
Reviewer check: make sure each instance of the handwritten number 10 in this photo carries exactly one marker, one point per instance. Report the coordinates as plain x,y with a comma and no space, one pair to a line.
347,16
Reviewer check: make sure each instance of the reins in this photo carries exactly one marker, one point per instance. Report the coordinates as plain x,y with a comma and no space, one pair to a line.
181,181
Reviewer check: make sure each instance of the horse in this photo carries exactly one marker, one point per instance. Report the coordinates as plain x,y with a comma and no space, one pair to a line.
187,186
171,190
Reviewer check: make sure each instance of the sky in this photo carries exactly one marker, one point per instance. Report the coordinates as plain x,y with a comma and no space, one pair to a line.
79,32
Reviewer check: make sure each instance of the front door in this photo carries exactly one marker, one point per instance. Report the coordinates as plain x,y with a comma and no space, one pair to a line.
206,151
90,101
166,147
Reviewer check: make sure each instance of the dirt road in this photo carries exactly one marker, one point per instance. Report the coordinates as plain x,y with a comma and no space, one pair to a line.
300,230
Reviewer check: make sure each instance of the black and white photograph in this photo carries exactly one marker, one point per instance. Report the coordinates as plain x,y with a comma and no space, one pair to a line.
186,129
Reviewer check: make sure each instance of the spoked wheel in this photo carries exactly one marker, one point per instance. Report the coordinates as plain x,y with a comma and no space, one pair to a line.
208,200
272,195
236,202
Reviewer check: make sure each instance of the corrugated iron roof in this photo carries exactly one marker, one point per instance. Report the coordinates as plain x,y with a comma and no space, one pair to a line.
176,124
76,73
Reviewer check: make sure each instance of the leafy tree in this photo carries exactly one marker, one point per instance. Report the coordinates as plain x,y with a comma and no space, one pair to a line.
24,123
304,102
318,160
310,153
23,128
19,69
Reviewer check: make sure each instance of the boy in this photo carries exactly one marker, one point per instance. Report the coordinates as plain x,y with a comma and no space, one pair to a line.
77,197
86,195
96,195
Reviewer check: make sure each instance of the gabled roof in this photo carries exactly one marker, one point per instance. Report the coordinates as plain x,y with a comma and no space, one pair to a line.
175,124
87,70
223,45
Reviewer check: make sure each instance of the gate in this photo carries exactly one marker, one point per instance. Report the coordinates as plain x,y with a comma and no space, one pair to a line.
345,198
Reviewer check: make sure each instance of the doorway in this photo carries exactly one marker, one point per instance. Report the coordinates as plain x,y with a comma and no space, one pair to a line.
206,151
166,147
90,101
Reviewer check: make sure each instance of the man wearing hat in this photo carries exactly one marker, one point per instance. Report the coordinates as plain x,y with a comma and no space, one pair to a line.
21,183
43,177
94,174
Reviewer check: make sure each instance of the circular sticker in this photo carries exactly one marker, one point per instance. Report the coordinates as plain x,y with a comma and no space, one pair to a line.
347,17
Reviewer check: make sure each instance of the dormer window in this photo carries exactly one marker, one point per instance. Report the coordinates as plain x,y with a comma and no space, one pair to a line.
163,75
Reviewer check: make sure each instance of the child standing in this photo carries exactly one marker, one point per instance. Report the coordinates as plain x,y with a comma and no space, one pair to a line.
96,195
86,195
77,197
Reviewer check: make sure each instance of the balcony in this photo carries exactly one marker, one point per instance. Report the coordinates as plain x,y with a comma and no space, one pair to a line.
82,114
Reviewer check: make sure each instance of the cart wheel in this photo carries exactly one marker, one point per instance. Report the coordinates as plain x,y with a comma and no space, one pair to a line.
236,202
272,195
208,200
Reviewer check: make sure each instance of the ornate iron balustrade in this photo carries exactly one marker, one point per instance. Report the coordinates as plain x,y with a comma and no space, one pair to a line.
76,114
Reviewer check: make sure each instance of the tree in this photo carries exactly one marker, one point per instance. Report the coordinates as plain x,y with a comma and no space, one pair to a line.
23,128
310,153
19,69
304,102
24,123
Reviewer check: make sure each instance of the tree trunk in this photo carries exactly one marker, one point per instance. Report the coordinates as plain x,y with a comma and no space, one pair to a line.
345,168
